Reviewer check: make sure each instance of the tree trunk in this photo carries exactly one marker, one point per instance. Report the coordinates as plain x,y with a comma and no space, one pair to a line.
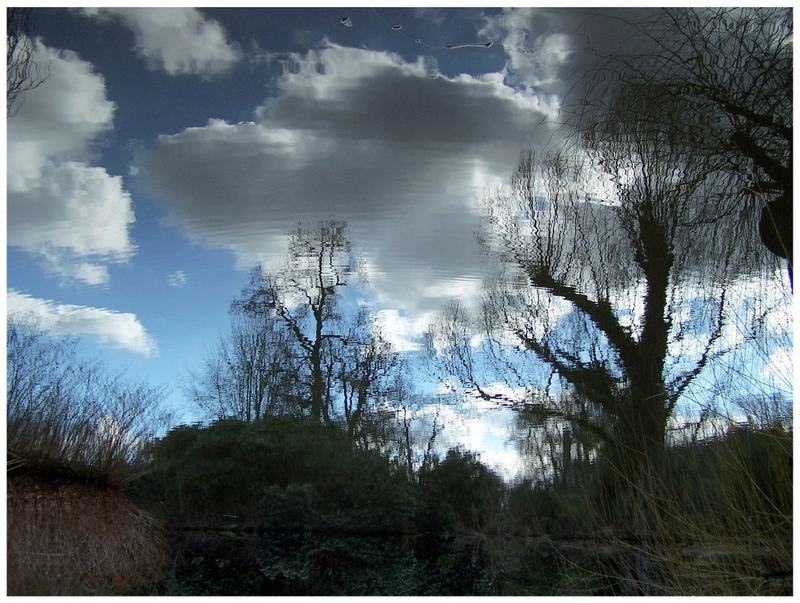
317,381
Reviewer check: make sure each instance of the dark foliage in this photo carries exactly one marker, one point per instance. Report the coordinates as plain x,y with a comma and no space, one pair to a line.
460,493
288,507
745,476
257,473
538,509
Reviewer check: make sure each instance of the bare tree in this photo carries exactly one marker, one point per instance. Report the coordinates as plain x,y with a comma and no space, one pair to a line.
325,359
616,269
606,249
366,369
732,68
250,374
303,297
23,73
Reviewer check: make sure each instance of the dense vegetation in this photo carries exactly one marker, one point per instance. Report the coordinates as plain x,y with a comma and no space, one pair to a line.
287,506
75,434
603,319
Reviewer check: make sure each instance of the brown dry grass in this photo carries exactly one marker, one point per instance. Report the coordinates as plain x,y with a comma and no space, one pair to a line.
76,539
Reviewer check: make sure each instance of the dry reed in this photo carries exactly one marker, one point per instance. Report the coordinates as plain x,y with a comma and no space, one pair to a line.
78,539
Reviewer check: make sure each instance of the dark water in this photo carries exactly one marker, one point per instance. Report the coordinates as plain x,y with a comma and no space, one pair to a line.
308,563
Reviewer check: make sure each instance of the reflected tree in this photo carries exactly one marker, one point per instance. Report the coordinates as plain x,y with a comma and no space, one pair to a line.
366,370
732,70
303,297
340,364
250,374
617,262
23,73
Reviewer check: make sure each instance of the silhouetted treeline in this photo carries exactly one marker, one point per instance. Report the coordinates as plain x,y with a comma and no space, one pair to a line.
319,517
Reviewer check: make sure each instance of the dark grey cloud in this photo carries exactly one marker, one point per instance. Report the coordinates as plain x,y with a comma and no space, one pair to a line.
434,112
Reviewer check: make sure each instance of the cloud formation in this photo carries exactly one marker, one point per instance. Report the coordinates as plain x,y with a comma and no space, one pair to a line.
181,41
396,148
74,216
402,332
119,329
177,278
555,50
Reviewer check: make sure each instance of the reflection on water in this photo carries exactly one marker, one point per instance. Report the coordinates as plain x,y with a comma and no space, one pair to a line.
484,283
513,446
305,563
313,563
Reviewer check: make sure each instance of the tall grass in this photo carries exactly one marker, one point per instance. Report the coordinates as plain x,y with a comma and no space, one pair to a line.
717,520
70,416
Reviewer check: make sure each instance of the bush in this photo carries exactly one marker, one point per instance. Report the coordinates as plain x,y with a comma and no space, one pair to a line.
543,509
460,493
245,470
735,485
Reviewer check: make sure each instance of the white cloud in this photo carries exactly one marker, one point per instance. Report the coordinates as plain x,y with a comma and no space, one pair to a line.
177,278
119,329
489,431
74,206
401,331
396,148
779,369
59,120
91,274
460,288
74,216
179,40
533,57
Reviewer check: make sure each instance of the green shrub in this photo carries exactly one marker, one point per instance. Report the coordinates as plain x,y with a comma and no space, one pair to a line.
246,471
460,493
